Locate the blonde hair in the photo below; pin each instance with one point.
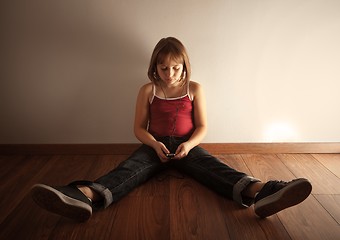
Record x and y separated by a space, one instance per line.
173 48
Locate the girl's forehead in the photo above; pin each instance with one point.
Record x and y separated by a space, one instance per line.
170 60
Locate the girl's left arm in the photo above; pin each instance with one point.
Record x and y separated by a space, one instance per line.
200 121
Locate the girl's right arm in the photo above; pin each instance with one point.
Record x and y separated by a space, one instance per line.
142 120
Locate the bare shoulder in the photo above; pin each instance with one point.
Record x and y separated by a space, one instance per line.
146 90
196 89
194 85
146 87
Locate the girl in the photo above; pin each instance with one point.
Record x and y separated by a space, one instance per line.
170 121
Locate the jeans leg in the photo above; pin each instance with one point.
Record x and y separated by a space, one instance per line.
216 175
138 168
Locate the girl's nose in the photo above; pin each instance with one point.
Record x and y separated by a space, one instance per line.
170 72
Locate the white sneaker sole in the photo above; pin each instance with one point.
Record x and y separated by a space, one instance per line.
294 193
54 201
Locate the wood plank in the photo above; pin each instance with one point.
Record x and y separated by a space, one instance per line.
243 224
234 161
28 221
18 182
131 218
239 218
267 167
97 226
128 148
171 205
287 147
9 164
151 196
305 165
142 218
330 161
195 212
27 216
103 165
331 203
308 220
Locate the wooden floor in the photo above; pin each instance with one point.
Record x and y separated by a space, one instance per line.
171 206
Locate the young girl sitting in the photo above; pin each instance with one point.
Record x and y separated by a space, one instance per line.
170 121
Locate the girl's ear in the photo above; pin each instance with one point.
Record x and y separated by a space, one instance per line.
155 75
184 74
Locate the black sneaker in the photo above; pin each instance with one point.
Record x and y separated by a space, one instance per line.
67 201
278 195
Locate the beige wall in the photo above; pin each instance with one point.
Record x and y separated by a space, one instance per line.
70 70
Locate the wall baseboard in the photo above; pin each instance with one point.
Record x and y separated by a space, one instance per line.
128 148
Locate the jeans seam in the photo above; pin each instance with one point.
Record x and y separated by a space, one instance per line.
212 173
131 177
237 186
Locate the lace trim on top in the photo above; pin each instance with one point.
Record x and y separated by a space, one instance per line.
175 98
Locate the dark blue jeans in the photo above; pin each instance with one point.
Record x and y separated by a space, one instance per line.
199 164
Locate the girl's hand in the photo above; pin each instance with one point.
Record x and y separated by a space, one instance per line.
161 151
182 150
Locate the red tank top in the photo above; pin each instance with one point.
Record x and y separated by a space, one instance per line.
171 117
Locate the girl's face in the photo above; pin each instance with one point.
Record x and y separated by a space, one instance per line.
170 71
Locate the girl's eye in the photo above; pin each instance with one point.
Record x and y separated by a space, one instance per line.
176 68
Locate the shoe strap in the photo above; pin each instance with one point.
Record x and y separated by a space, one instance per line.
81 183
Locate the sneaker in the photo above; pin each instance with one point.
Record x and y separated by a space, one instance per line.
67 201
278 195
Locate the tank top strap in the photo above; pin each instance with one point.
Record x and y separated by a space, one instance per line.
153 93
188 91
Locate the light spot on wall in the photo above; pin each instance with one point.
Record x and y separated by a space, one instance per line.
280 132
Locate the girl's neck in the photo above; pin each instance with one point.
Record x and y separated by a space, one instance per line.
171 86
172 91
